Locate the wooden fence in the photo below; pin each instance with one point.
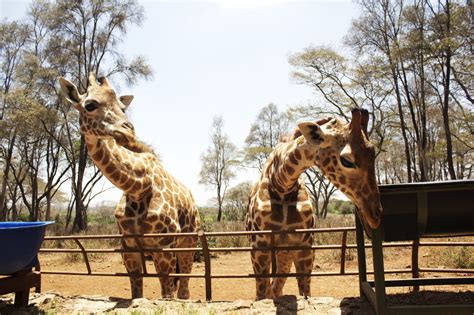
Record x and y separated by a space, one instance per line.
206 252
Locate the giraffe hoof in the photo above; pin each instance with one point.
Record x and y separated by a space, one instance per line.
183 296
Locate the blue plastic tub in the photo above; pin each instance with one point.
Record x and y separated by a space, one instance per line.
19 244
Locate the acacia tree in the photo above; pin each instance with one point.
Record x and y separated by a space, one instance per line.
320 189
236 201
218 163
403 54
89 34
13 38
264 135
67 39
341 85
421 42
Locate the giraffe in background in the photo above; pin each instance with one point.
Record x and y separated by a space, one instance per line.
280 201
153 201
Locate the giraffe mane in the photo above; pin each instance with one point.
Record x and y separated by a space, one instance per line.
138 146
289 136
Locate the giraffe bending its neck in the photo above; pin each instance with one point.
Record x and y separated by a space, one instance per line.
280 201
153 200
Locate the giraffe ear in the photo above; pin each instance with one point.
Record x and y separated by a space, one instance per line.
126 100
70 91
312 132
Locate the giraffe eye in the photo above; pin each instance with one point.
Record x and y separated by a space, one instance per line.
91 106
346 163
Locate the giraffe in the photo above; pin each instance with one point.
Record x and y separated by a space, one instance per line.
280 200
153 201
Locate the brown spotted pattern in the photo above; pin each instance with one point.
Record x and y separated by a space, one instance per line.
153 200
280 201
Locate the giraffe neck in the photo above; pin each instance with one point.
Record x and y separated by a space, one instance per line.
126 169
290 159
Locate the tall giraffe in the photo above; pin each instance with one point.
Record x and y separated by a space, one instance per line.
153 201
280 201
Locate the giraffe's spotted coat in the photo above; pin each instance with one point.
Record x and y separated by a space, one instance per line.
153 200
279 201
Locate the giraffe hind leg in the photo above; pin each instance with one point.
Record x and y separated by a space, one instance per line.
133 264
303 260
165 262
261 262
185 264
283 265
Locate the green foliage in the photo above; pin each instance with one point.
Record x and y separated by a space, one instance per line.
40 132
265 132
339 206
400 56
236 202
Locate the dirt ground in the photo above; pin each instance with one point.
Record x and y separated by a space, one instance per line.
111 295
222 289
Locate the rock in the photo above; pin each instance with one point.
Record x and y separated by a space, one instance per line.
288 304
39 299
90 305
140 302
238 305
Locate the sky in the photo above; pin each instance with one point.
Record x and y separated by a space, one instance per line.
216 57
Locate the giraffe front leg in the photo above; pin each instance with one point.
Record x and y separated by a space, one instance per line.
133 264
185 265
165 262
303 260
283 260
261 261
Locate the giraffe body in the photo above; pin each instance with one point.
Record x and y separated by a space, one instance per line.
280 201
153 200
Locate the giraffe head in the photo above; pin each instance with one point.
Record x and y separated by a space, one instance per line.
102 112
346 157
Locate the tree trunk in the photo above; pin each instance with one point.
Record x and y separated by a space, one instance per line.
80 222
219 204
445 105
6 174
402 119
324 208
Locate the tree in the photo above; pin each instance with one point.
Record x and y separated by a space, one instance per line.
88 33
62 39
13 37
264 135
236 201
320 189
218 163
407 67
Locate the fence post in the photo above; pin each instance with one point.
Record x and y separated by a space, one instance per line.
343 252
361 259
207 264
84 255
415 271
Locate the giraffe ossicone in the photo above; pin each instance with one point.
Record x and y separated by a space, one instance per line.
280 200
153 200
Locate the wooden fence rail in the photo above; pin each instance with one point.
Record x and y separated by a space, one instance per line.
206 252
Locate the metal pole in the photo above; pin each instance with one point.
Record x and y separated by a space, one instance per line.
207 264
415 269
379 274
361 261
343 252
